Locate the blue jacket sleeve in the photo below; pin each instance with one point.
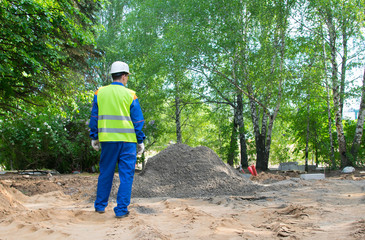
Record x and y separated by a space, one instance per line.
93 124
138 120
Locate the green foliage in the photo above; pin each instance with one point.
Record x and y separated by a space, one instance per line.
318 132
349 128
53 137
284 144
181 52
39 42
44 47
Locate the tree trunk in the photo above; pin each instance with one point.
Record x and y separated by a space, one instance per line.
315 143
336 94
343 66
177 113
360 124
332 148
307 140
339 128
260 146
262 162
272 117
240 123
281 51
269 131
263 137
233 144
243 148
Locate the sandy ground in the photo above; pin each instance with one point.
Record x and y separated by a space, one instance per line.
61 207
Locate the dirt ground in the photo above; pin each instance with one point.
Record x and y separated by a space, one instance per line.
60 207
277 205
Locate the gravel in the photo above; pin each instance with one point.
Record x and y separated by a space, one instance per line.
181 171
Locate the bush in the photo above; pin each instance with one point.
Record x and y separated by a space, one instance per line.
49 139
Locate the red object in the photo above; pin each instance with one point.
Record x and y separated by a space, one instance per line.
252 170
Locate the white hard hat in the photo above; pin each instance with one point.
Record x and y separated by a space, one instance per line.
118 67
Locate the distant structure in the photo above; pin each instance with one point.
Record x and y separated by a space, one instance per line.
350 113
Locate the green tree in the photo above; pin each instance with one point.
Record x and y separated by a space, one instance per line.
342 20
40 41
52 137
251 60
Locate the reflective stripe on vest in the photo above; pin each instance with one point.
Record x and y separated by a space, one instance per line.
112 117
114 121
115 130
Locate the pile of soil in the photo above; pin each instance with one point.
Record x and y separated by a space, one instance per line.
181 171
9 199
35 186
267 178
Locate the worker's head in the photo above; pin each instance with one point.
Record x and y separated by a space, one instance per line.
120 71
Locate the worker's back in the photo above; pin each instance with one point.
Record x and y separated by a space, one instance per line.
114 121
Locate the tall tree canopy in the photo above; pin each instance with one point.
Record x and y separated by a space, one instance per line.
40 41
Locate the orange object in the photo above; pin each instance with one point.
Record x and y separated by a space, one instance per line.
252 170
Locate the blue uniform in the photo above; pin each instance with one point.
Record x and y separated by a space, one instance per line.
117 152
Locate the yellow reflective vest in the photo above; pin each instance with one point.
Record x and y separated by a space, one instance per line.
114 120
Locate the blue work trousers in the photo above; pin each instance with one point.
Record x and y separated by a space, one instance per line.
125 154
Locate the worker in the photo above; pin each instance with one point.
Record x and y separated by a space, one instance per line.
116 127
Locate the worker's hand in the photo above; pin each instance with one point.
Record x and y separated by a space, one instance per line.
140 148
95 144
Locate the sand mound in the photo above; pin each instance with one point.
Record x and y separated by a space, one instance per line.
267 178
36 185
8 199
181 171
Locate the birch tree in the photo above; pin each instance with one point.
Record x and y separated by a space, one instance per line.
342 23
360 124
